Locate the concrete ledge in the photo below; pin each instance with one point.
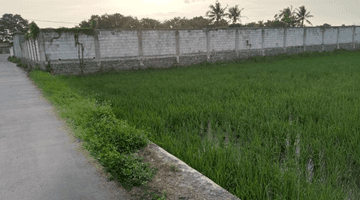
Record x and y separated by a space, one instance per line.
195 183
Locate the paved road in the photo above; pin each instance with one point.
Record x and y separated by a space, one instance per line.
38 157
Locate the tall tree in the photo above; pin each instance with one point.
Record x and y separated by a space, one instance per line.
222 23
260 24
199 22
114 21
285 21
234 14
251 24
147 23
286 15
93 18
177 23
131 22
109 21
9 24
302 15
216 12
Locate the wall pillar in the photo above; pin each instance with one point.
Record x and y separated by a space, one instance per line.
262 41
353 38
29 49
139 33
37 50
97 48
322 43
237 43
18 39
208 44
285 33
337 38
32 50
304 39
141 53
177 45
26 53
41 42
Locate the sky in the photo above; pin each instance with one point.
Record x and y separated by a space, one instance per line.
72 12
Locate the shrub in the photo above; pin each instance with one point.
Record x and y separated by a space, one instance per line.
48 68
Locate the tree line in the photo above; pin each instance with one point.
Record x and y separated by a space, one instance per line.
216 16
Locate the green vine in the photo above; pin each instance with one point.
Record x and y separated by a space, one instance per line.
85 30
34 31
76 31
81 59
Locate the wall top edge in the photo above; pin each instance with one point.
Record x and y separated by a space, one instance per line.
229 28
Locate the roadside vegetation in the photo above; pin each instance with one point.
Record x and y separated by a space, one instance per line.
17 61
253 127
110 141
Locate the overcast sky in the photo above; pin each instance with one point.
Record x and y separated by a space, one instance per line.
333 12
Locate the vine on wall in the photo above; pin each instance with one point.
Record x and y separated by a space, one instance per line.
35 30
76 32
81 59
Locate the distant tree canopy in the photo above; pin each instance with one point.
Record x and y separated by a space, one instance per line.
216 15
10 24
118 21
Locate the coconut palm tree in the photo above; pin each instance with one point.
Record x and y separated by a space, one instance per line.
301 14
216 12
287 13
234 14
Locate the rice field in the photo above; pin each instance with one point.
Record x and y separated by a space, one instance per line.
284 127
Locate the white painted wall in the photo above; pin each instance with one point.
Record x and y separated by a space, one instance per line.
222 40
117 44
314 36
64 47
274 38
157 42
253 37
192 41
294 37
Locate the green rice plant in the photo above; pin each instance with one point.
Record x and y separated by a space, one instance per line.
283 127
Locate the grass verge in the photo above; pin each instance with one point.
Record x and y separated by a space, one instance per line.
17 61
110 141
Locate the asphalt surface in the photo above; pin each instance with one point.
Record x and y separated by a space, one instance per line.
39 159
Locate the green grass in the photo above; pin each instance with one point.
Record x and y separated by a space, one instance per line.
17 61
13 59
260 104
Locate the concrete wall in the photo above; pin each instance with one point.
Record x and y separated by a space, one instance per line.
27 50
4 50
117 44
132 49
18 39
11 51
64 48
